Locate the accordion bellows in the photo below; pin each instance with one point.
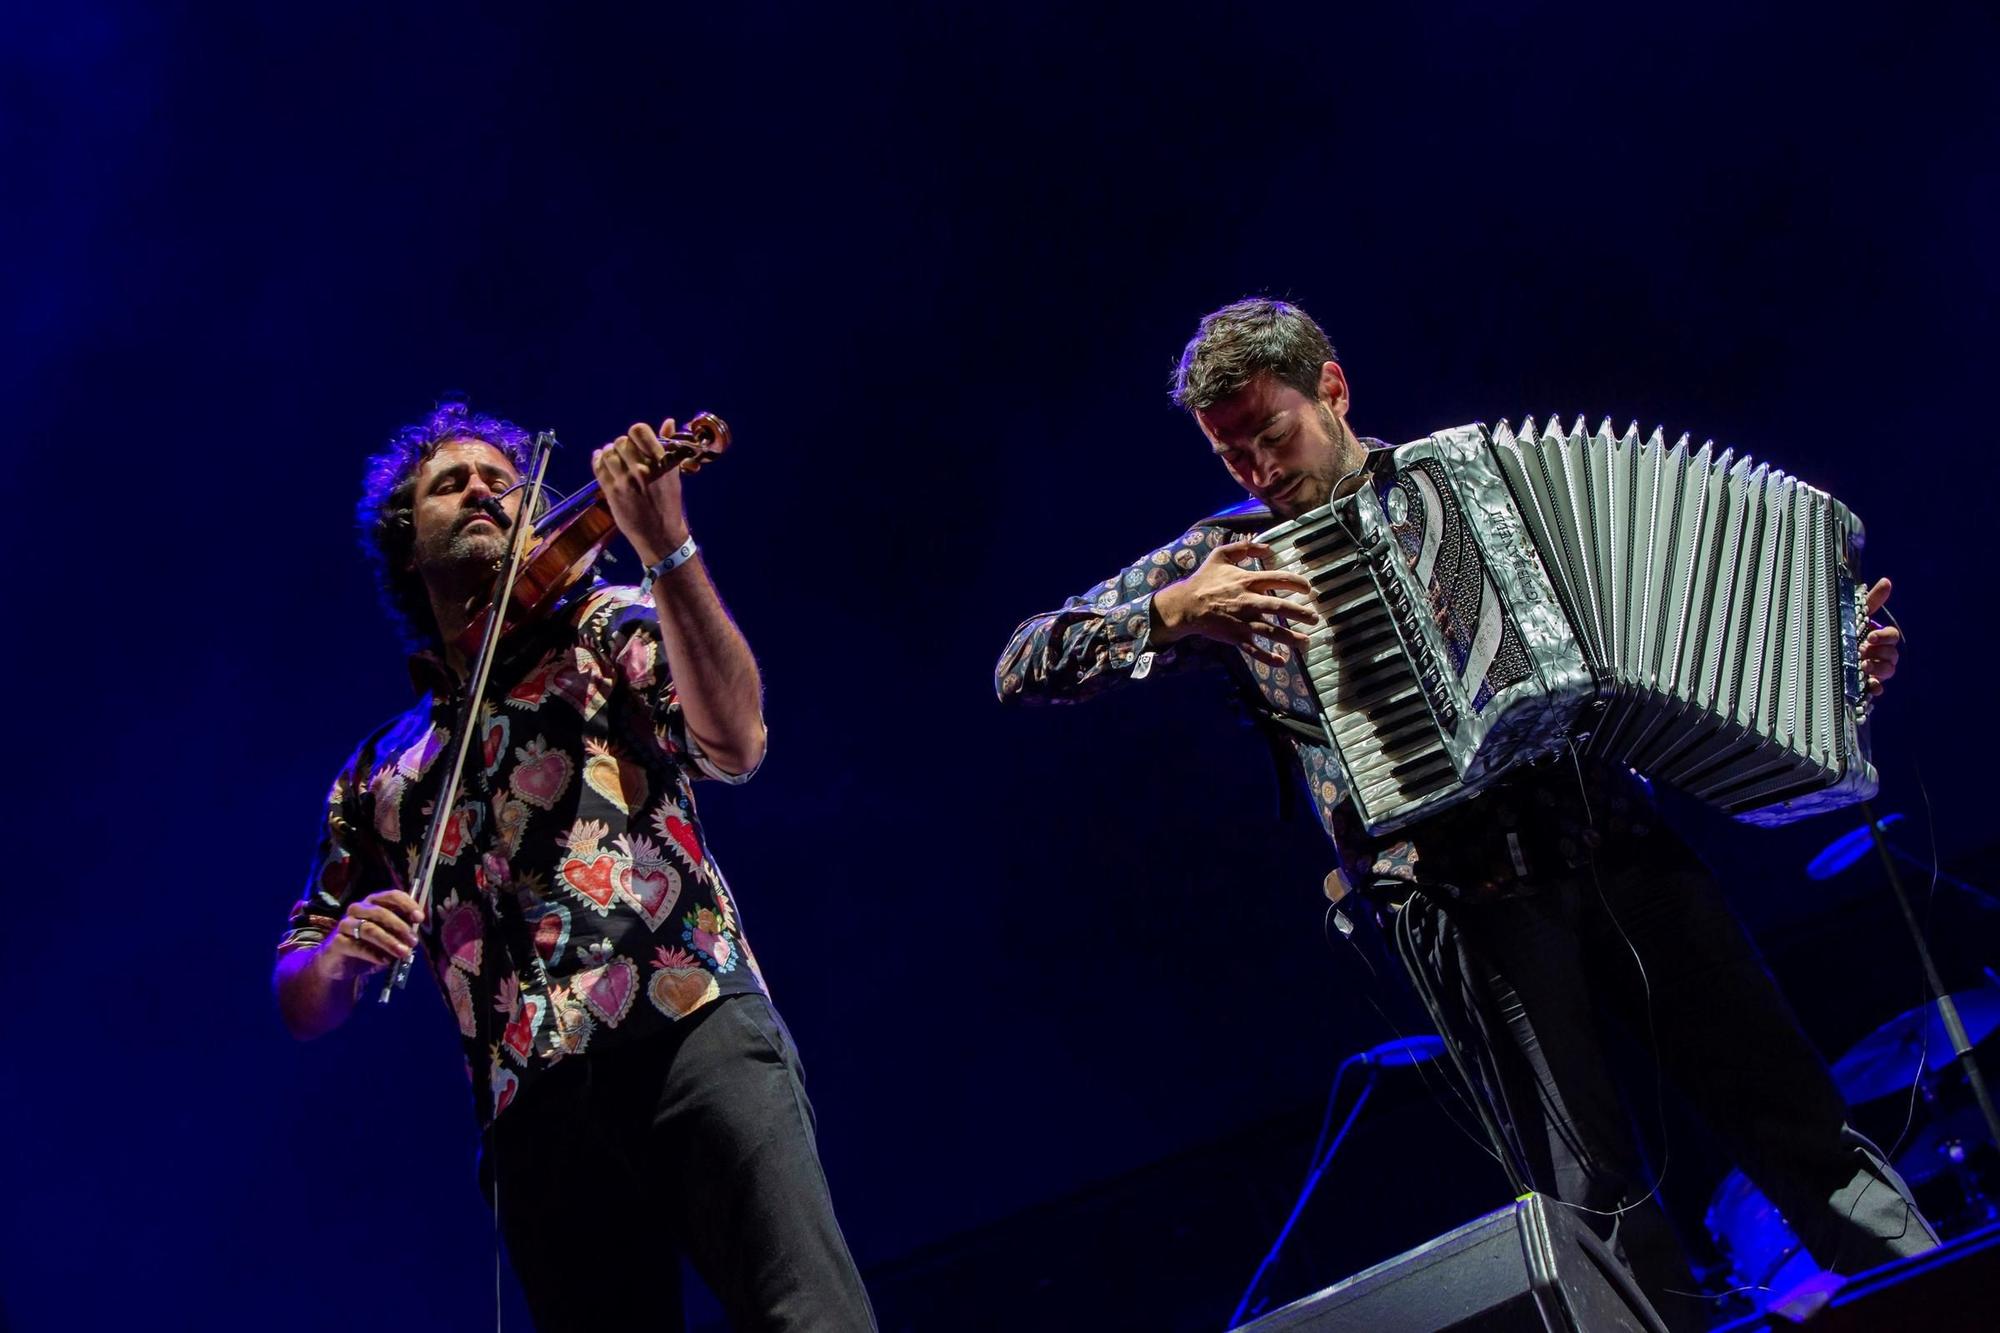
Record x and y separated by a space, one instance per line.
1502 597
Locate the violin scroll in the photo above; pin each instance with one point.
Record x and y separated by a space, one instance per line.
698 443
571 535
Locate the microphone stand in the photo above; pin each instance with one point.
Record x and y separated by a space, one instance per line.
1389 1055
445 809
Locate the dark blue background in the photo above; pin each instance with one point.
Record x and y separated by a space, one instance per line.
933 264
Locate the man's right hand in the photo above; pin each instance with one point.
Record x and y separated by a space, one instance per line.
377 931
1232 605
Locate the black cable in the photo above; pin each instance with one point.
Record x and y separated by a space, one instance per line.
1472 1136
1646 987
1411 949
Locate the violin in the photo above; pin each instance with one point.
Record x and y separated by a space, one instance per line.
571 536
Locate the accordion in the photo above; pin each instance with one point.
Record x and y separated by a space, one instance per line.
1496 598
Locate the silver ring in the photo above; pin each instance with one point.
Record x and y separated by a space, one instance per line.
356 932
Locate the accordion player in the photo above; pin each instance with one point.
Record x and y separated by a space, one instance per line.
1497 597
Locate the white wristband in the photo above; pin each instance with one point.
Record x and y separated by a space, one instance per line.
681 555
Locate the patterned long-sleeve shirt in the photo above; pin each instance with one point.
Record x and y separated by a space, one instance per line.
575 903
1100 640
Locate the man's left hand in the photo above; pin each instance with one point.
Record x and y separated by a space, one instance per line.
1882 646
644 494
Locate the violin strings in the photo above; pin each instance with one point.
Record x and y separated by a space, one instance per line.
547 491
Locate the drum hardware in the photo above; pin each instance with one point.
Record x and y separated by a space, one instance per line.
1947 1163
1889 1059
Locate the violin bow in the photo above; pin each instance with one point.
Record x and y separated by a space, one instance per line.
445 810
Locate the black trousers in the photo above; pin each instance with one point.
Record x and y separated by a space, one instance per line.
1523 984
698 1142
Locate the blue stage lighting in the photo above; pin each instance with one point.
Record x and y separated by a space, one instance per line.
1845 850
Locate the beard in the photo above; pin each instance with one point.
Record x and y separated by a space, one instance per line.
1342 455
460 566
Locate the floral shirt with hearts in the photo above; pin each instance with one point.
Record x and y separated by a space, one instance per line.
575 903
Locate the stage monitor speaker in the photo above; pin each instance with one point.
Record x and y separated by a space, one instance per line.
1530 1267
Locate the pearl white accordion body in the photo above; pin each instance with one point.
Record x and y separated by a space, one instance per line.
1499 597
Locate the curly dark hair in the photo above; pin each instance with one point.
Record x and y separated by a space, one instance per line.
1245 339
388 498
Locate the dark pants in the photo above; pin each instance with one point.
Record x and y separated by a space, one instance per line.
1524 983
698 1142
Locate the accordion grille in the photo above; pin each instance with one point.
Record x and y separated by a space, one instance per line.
1715 599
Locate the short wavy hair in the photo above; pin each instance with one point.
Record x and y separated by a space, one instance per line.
1257 335
388 499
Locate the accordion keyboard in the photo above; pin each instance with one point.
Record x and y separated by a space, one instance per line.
1380 701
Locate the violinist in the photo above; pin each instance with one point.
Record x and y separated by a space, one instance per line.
638 1095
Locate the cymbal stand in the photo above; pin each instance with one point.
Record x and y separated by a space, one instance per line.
1961 1045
